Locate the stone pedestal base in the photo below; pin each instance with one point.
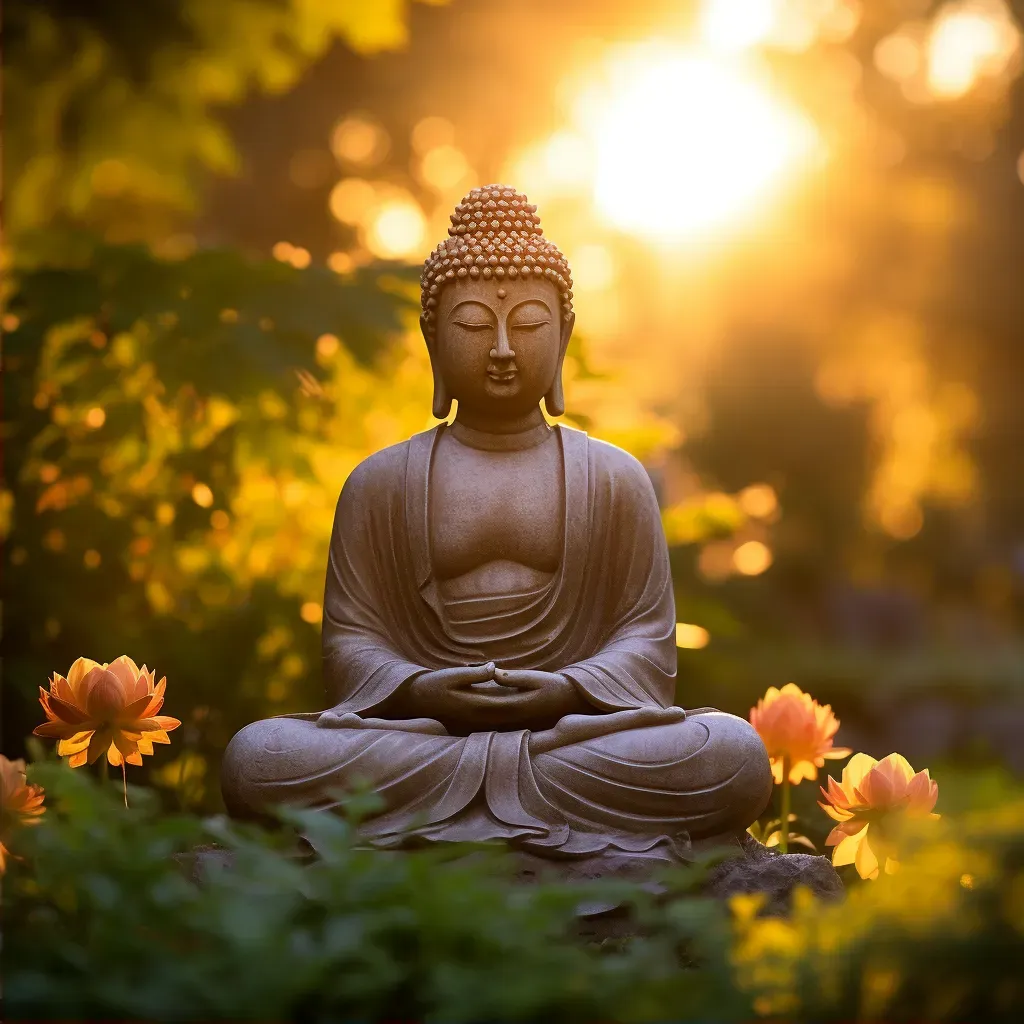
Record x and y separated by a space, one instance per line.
753 869
760 869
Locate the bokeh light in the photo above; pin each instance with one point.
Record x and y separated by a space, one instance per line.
758 501
341 262
898 56
202 495
752 558
684 144
969 41
359 141
431 132
327 346
691 637
715 562
443 167
732 25
311 612
350 199
901 521
397 230
285 252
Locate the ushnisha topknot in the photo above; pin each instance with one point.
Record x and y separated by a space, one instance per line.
495 232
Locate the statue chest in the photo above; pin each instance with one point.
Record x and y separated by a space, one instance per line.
491 512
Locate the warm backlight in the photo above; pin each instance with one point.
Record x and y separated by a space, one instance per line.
685 144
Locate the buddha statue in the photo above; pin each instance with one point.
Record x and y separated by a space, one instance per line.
499 625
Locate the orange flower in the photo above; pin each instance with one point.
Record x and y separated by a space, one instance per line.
872 798
795 726
21 803
105 708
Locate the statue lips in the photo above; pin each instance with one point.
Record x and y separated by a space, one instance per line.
502 376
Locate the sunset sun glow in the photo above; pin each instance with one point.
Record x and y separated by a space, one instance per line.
684 144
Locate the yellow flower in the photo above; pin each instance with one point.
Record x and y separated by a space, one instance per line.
105 708
872 798
21 803
795 727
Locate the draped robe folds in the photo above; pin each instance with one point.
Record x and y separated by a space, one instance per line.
634 775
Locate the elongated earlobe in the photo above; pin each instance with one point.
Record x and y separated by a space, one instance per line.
442 400
442 404
554 400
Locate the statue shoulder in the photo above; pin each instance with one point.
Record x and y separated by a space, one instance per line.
617 472
610 460
382 474
379 468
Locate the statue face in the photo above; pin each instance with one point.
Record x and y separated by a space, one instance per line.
499 344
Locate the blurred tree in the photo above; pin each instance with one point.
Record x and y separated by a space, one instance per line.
112 109
177 426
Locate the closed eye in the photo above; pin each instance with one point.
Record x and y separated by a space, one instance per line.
471 327
530 326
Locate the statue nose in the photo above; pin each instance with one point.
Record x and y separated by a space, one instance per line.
502 349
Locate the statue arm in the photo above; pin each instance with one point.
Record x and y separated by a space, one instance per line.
635 664
362 665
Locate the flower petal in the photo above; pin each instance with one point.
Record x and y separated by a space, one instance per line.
877 789
125 660
141 708
866 862
855 769
897 769
81 668
98 745
835 813
802 770
847 849
163 722
126 670
55 707
73 744
104 694
60 687
57 730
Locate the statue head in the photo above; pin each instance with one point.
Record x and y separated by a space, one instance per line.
497 309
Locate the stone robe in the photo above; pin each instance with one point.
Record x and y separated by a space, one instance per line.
636 774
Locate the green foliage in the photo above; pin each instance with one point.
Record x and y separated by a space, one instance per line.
942 939
103 922
108 915
113 109
177 436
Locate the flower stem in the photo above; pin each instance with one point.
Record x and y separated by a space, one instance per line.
784 814
124 779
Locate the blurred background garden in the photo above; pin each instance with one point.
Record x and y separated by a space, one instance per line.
796 229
